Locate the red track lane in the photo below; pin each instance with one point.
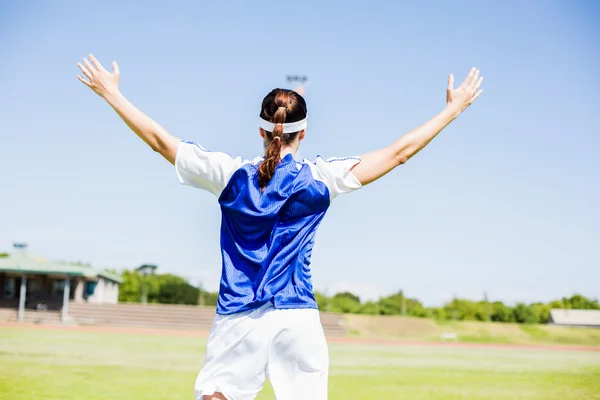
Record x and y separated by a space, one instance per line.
144 331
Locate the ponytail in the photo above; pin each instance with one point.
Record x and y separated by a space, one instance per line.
267 167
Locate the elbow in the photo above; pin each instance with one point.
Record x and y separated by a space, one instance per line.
156 145
401 158
402 153
156 148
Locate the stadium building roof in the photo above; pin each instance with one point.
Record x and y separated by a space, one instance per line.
26 264
584 318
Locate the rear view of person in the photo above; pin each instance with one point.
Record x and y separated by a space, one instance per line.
267 323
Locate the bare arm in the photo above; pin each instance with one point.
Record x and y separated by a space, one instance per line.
376 164
106 85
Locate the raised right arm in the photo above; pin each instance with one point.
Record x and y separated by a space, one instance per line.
106 85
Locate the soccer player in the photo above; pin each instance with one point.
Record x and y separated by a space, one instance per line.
267 323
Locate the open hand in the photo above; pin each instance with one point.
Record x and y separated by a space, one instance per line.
100 80
463 96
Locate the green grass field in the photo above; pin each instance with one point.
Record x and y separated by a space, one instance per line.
423 329
54 364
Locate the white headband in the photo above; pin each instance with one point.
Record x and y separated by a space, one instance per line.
287 127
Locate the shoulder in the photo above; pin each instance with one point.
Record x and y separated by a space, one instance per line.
187 148
205 169
321 159
335 172
332 163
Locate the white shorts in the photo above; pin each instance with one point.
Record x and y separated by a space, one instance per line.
286 346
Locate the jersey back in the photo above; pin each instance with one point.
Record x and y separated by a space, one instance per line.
267 235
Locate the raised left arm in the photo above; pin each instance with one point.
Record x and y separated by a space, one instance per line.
376 164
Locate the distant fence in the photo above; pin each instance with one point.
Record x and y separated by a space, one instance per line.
153 316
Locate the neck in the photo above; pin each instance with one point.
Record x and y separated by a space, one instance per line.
287 150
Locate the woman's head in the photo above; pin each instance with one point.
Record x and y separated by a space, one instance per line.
280 106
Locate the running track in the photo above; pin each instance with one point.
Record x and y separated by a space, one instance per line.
109 329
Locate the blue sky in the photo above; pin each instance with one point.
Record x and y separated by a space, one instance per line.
505 201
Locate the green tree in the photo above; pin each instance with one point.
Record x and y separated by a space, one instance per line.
557 304
210 298
392 305
348 295
130 289
322 301
467 309
173 289
440 313
579 302
414 308
524 314
370 307
345 302
161 288
501 312
541 312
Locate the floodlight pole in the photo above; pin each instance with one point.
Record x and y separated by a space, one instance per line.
144 299
145 270
487 306
300 80
22 247
201 299
455 310
66 296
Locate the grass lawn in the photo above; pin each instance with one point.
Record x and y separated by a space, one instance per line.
51 364
398 327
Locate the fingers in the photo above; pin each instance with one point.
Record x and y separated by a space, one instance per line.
477 84
473 82
115 68
475 96
95 62
84 81
89 66
469 78
450 82
85 71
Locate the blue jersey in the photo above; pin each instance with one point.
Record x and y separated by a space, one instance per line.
267 236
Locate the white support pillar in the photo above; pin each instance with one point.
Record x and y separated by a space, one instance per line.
79 283
107 287
22 295
66 294
99 292
111 290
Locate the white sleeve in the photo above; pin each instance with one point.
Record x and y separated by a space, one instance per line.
336 174
203 169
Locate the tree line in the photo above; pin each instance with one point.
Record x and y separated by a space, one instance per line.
456 309
163 289
173 289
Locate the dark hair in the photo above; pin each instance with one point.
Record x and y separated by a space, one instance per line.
279 106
